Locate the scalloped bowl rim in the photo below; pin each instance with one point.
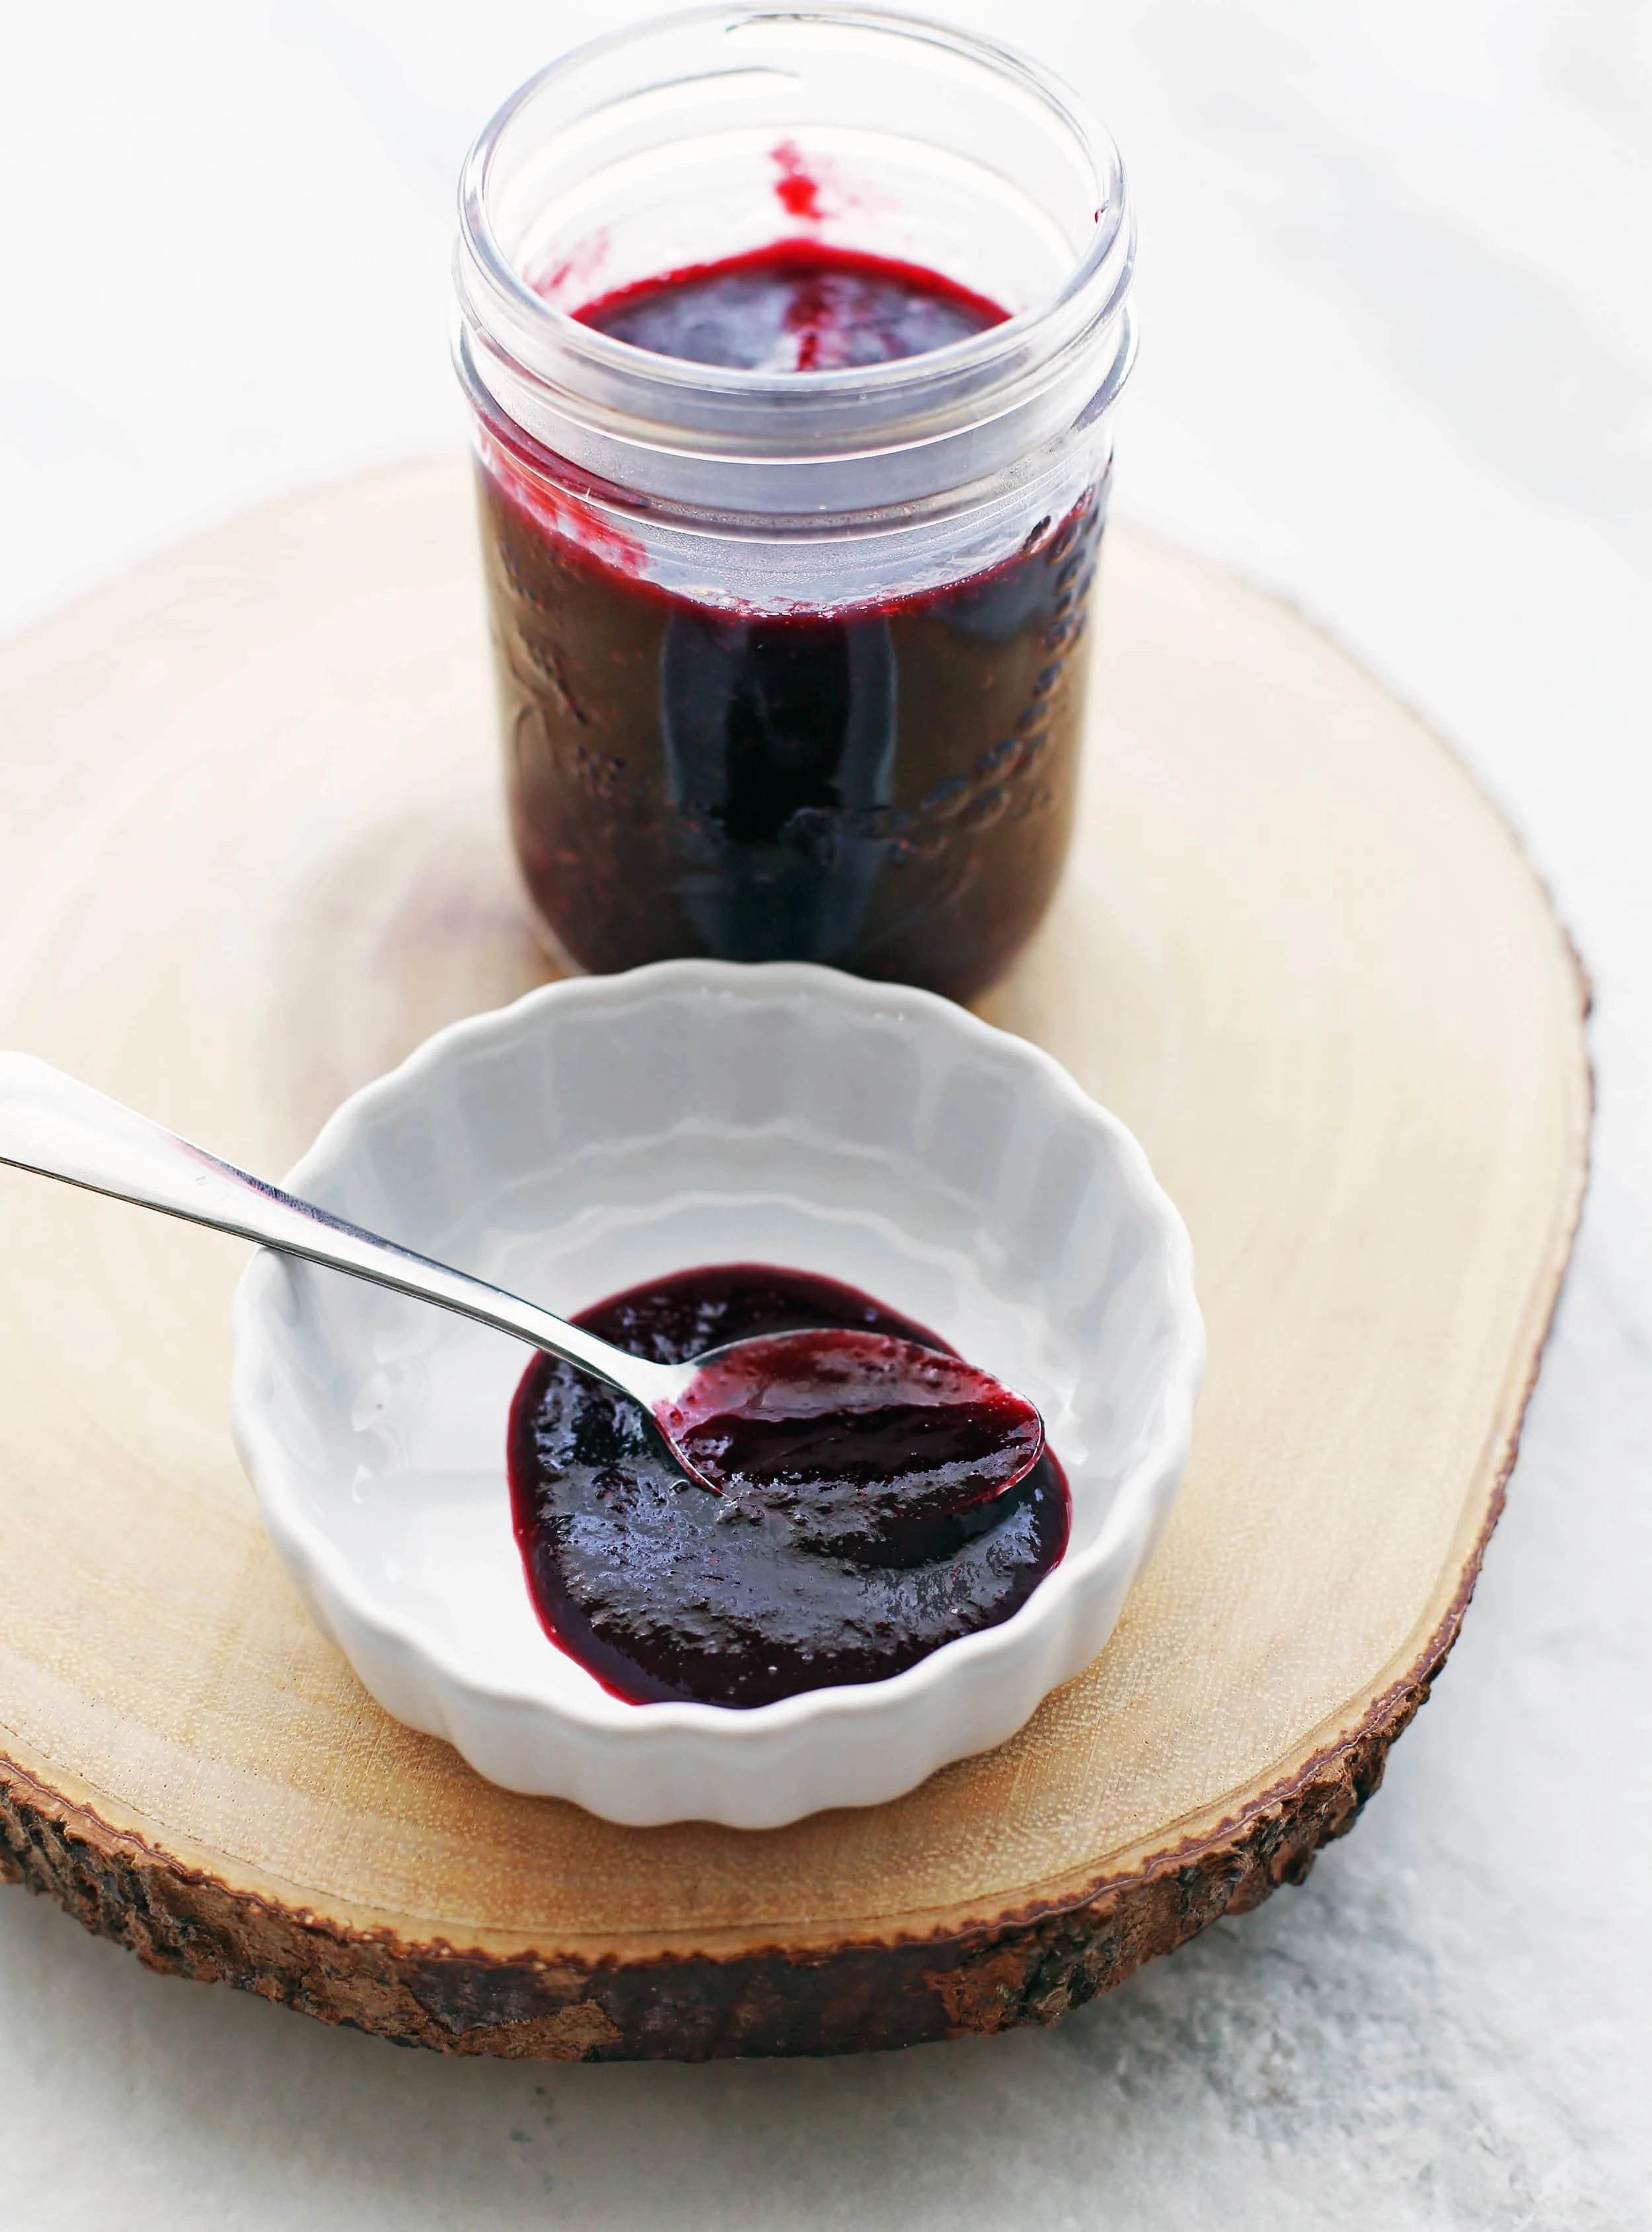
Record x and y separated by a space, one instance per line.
1150 1479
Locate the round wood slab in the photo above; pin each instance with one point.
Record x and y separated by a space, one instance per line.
251 852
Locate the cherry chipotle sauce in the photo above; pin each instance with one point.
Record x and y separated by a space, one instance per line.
886 790
794 307
664 1589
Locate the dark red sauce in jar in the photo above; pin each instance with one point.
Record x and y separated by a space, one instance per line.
794 306
885 789
844 1561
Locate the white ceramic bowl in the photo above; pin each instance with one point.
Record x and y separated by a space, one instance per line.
604 1130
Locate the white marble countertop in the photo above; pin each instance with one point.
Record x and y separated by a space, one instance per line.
1396 299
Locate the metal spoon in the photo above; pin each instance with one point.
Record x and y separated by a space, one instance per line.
53 1123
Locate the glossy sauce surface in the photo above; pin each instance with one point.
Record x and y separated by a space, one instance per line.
843 1557
794 307
865 1442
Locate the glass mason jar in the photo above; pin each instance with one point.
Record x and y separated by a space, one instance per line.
791 663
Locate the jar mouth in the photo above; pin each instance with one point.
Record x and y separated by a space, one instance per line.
653 149
489 276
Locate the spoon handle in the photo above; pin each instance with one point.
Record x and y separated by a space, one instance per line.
53 1123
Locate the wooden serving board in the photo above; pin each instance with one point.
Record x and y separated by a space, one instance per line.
251 852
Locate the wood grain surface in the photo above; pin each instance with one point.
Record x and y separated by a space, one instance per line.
251 852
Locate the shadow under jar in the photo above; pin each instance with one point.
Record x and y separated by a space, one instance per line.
791 344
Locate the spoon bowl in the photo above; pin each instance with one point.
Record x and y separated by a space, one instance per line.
877 1435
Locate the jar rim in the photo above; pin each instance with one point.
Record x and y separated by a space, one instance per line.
917 438
523 317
